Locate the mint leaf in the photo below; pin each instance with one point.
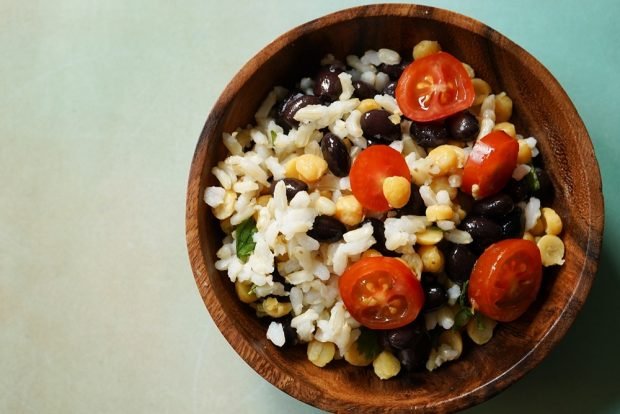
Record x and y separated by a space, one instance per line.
274 135
462 318
368 344
245 242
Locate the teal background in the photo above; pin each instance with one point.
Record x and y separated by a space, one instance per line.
101 105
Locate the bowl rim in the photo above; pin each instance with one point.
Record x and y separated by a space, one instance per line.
594 184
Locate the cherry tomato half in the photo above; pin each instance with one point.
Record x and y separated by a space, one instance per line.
506 279
434 87
370 168
490 164
381 292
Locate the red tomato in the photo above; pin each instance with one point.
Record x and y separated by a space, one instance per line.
381 292
434 87
490 164
370 168
506 279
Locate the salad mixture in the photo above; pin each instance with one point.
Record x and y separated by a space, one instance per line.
385 211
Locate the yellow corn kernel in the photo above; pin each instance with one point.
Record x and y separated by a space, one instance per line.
503 107
480 329
551 250
386 365
429 237
425 48
507 127
368 105
528 236
539 227
245 292
445 159
349 211
276 309
396 191
310 167
443 183
482 90
371 253
227 208
321 353
525 152
432 259
354 357
553 222
439 212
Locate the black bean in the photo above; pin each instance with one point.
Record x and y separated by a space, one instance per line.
429 134
364 90
415 206
494 206
414 357
513 224
378 232
377 141
401 338
463 126
545 187
483 230
390 88
293 104
460 261
393 71
436 296
292 185
327 85
327 229
518 190
466 201
377 124
336 155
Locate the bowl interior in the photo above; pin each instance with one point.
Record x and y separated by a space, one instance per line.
541 109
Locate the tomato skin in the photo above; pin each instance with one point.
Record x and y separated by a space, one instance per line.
506 279
434 87
370 286
370 168
490 164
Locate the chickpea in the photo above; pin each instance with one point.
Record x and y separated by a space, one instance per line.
503 107
539 227
480 329
368 105
432 258
386 365
321 353
276 309
245 292
439 212
507 127
425 48
429 237
482 89
396 191
443 183
469 70
310 167
349 211
525 152
325 206
553 222
371 253
354 357
445 159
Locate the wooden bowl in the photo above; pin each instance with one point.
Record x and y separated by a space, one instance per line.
542 109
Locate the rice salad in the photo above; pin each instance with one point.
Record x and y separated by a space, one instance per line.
295 224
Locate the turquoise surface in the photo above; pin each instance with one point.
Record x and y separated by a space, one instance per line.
101 105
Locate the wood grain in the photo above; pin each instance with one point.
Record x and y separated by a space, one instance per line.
542 109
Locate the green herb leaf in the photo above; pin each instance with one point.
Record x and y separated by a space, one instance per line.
462 318
274 135
368 343
245 242
480 323
532 180
463 296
